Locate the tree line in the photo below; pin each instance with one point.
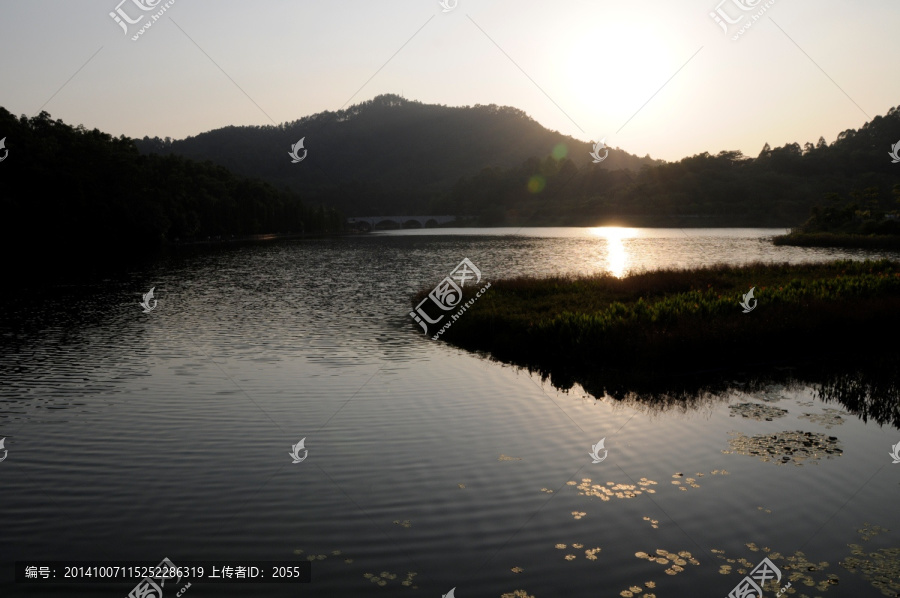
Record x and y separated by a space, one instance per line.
779 187
71 191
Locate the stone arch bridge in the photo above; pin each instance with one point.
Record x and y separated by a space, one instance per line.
373 222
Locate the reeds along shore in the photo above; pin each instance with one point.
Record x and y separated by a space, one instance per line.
681 321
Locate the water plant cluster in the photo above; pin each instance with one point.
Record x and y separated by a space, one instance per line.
677 322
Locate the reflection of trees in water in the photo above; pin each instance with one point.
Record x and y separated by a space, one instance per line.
650 393
869 394
869 391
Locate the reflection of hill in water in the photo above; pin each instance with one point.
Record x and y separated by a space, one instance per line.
871 391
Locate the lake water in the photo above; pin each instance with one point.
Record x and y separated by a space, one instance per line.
140 436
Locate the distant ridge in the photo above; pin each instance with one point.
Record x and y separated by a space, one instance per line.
387 152
391 155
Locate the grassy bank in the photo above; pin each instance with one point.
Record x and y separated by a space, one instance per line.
849 240
667 324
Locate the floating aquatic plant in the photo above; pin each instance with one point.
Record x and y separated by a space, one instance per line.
869 531
828 418
654 523
321 557
590 554
797 569
676 561
881 568
786 447
635 590
383 578
689 481
613 490
757 411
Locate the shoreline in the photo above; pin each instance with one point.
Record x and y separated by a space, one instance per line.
844 240
220 240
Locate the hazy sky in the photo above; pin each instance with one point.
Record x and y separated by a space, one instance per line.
655 77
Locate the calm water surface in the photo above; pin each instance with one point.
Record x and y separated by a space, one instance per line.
142 436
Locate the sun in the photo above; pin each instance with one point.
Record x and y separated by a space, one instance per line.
610 69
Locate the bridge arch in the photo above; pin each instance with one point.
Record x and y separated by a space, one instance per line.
368 223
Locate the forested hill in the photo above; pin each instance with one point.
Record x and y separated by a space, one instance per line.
74 194
391 156
778 187
389 153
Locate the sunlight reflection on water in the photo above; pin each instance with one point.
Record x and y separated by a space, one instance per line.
616 255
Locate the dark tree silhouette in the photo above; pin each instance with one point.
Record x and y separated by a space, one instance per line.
73 195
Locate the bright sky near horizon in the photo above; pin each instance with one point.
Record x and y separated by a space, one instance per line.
654 77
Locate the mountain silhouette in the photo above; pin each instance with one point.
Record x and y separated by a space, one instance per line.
495 164
388 153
